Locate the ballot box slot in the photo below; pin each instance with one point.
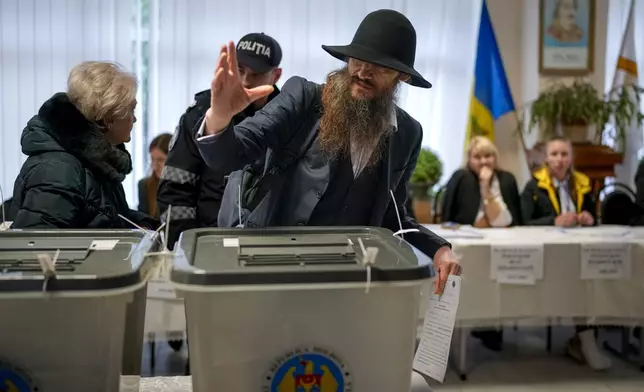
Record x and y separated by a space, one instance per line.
9 269
20 260
294 252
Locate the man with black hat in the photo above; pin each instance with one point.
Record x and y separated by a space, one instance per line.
192 189
364 148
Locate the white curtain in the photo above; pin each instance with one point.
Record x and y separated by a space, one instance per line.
186 36
40 41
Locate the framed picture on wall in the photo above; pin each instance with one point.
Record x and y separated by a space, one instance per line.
566 37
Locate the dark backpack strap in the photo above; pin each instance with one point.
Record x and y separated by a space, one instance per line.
302 140
278 162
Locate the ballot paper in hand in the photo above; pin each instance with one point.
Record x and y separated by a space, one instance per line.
433 352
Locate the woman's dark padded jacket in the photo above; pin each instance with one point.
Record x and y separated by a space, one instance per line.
73 174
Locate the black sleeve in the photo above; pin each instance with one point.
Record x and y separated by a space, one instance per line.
53 197
589 205
639 184
143 197
271 127
425 240
143 219
513 200
181 179
449 197
530 211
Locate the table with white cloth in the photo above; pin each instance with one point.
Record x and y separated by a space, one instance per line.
561 294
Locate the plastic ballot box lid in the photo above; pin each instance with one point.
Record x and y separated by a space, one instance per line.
84 260
297 255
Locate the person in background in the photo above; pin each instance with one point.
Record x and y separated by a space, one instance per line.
483 195
557 194
187 184
149 185
561 196
76 158
193 189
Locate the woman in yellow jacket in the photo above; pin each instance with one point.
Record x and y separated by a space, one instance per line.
561 196
558 195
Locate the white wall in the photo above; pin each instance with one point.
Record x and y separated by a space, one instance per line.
516 24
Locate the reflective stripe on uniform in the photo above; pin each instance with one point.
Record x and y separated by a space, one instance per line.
180 176
179 213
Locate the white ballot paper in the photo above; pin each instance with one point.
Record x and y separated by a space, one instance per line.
433 352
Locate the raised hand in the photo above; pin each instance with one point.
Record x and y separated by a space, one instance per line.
228 95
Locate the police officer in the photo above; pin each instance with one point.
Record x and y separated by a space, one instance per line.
187 184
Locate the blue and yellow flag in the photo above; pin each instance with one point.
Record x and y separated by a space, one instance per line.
491 98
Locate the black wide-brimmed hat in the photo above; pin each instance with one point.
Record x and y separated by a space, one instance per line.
386 38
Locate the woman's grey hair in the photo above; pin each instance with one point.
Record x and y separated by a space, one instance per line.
102 91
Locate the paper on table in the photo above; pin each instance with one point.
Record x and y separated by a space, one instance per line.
516 264
433 351
5 225
606 261
597 231
460 232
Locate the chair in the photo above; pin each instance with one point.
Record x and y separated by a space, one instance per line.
438 204
618 206
410 206
5 208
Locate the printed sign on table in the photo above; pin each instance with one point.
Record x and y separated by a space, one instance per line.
605 261
516 264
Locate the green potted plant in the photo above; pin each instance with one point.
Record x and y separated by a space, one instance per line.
427 173
580 113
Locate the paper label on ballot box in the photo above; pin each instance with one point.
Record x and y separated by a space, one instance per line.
161 289
433 351
103 244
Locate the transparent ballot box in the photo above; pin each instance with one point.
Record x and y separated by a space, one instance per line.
287 309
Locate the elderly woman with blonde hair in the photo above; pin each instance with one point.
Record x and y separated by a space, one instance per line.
76 154
481 194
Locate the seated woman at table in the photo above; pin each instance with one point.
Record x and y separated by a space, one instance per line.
558 195
481 194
